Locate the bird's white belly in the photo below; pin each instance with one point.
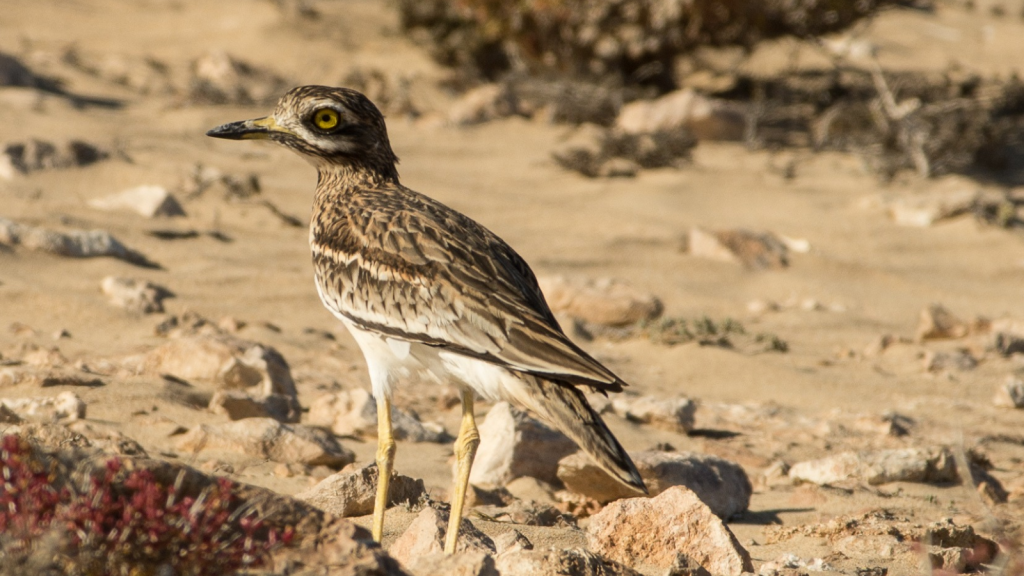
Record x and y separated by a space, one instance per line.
392 361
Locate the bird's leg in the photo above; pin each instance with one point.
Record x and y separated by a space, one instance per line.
385 463
465 451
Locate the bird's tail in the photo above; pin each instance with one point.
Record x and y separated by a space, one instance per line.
564 407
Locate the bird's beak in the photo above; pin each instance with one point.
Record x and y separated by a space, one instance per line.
258 129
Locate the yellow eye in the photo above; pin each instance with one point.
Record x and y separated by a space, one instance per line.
325 118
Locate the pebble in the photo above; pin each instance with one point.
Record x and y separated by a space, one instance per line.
72 244
237 405
707 118
675 414
18 158
467 563
755 250
483 104
1010 394
148 201
881 467
134 295
938 323
924 209
649 534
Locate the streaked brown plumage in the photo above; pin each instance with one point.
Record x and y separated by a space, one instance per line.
426 290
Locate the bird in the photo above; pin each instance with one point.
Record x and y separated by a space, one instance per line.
428 293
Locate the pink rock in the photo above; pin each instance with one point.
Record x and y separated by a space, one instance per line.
650 533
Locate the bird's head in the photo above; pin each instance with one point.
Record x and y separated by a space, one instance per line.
333 128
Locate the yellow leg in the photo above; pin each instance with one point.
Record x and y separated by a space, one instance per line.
465 451
385 464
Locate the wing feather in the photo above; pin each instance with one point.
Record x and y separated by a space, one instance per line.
457 285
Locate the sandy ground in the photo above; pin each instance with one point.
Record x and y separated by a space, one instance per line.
875 275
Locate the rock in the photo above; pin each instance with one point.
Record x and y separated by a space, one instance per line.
707 118
884 466
722 485
32 155
426 536
351 492
937 323
66 406
939 361
483 104
1010 394
148 201
237 405
268 438
756 250
135 295
675 414
514 444
924 209
559 562
354 413
468 563
961 360
1007 343
8 416
218 78
606 302
511 542
645 533
73 244
227 362
791 562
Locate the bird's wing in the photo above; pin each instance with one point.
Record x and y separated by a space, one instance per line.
404 265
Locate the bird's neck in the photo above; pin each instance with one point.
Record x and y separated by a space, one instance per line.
339 179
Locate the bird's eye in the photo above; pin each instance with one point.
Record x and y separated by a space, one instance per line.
325 118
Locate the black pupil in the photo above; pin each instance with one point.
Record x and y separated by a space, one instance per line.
325 117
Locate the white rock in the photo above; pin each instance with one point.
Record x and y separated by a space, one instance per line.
881 467
757 250
238 405
676 414
1010 394
513 444
924 209
482 104
135 295
148 201
707 118
66 406
936 323
650 533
